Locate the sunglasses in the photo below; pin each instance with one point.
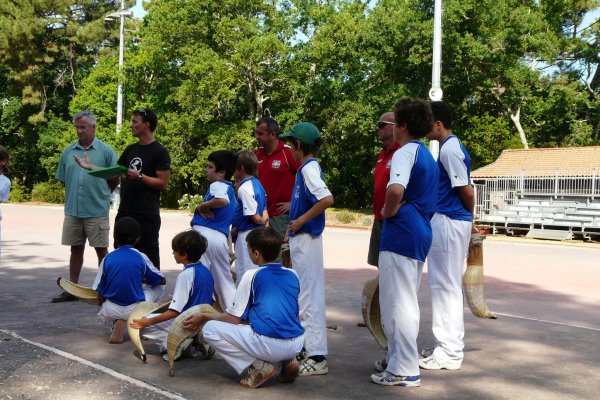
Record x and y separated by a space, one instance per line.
383 124
142 112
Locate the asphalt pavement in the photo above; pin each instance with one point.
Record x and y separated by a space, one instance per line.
544 344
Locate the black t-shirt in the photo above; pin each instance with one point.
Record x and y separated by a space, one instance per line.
135 196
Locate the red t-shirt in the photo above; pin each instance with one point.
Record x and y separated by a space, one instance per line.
382 177
277 173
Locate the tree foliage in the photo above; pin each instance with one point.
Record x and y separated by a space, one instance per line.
211 68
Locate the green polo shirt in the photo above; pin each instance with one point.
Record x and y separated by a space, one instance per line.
85 195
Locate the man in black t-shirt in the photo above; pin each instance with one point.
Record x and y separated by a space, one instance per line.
149 172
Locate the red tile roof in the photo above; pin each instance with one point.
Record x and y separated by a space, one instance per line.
569 161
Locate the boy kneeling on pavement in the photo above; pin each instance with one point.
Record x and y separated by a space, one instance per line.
262 327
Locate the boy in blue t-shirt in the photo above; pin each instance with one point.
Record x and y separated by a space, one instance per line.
451 226
194 285
213 218
410 202
267 301
251 211
310 199
120 278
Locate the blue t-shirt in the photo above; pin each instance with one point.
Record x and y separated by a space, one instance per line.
267 297
408 233
252 200
194 285
121 275
308 189
222 217
455 171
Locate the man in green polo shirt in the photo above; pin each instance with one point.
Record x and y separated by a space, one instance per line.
87 198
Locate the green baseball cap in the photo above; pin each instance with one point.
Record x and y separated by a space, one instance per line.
304 132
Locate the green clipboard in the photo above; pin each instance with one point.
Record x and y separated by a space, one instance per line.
107 173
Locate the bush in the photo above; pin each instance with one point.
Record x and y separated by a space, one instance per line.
187 202
18 192
346 217
48 192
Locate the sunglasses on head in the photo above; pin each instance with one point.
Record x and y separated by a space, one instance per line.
142 112
383 124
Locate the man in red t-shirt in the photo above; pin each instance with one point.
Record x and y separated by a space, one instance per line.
381 172
276 172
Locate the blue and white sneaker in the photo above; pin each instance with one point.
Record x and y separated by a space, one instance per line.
387 379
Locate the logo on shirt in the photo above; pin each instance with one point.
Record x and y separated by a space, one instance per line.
276 164
136 164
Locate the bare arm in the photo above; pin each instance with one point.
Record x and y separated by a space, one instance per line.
315 210
260 219
204 207
194 321
467 197
159 182
85 163
145 322
393 200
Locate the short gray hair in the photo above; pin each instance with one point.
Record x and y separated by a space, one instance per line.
85 113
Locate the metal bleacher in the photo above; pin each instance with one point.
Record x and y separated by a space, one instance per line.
554 219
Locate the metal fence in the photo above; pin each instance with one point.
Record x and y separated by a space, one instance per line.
494 194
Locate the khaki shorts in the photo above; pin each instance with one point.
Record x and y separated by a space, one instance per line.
77 230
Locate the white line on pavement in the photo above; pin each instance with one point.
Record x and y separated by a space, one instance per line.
99 367
548 322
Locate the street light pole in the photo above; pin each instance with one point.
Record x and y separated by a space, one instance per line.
120 77
436 93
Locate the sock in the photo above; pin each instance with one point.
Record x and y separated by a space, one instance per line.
317 359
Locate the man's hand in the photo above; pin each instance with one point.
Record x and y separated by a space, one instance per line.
283 208
194 321
133 173
140 323
84 162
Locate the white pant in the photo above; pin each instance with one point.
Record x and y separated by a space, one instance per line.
240 346
243 262
109 312
399 279
158 333
154 294
216 258
445 264
307 259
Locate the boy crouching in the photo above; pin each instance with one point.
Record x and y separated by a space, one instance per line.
120 278
262 327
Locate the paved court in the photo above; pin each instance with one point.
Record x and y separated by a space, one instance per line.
544 345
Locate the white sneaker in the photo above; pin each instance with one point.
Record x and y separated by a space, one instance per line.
435 362
309 367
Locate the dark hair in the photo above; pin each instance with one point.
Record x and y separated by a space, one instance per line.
248 160
442 112
308 148
272 125
190 243
147 116
4 153
267 241
127 232
224 160
415 114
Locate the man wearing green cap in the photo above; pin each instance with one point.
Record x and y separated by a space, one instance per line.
310 199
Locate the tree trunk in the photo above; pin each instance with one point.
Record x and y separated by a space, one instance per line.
516 118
